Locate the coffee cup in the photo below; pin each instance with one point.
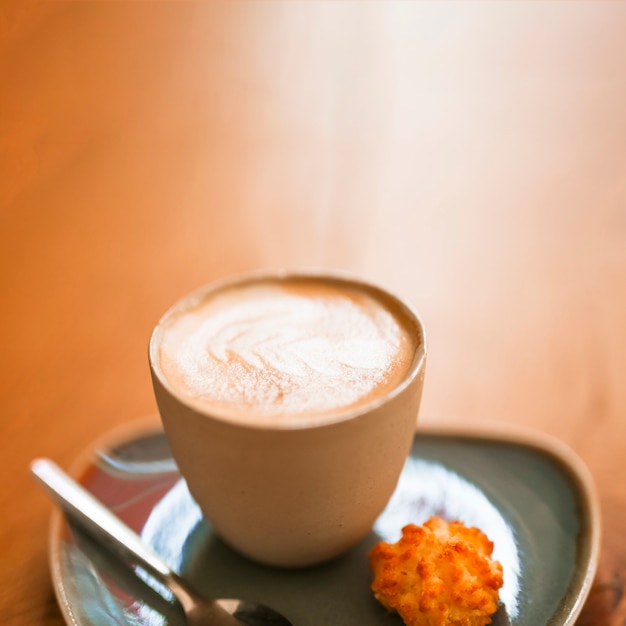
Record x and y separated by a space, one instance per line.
289 401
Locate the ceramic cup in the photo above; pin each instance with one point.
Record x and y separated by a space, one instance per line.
299 489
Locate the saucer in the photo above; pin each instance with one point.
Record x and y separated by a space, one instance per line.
529 493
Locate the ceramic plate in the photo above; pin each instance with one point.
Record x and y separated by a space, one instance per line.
531 495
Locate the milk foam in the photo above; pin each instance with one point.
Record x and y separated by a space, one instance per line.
285 350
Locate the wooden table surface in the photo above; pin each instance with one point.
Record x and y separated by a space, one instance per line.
471 156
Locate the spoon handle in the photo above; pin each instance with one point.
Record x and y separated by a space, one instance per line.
100 522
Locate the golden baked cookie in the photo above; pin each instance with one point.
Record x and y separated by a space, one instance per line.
438 574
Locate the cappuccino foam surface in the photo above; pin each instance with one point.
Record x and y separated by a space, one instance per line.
277 352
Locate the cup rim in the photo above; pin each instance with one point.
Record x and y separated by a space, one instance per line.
192 298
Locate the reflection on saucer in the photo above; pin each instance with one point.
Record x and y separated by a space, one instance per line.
427 488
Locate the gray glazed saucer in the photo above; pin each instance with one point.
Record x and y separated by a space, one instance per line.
531 495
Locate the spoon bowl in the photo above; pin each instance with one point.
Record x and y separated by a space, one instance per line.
111 532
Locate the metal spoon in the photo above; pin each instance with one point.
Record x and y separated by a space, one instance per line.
104 526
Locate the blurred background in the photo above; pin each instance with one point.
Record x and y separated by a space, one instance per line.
469 155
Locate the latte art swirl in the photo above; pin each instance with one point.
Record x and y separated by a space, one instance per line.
285 350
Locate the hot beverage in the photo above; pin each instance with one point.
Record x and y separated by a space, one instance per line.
286 351
289 402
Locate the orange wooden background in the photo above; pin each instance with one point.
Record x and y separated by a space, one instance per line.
471 156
